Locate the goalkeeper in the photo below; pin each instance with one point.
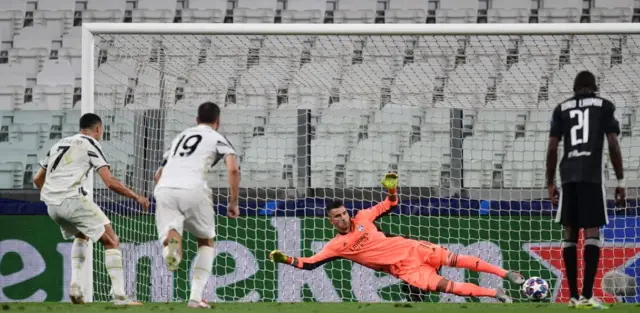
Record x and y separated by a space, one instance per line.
415 262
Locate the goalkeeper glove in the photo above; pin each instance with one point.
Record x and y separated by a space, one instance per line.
278 257
390 181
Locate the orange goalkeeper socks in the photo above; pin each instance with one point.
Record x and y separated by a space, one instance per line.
468 289
475 264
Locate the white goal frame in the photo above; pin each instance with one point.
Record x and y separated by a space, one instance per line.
89 30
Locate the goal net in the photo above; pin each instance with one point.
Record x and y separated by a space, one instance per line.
463 119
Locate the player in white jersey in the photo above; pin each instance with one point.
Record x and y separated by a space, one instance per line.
60 180
183 199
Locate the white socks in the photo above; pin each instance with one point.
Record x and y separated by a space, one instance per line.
79 251
201 272
113 261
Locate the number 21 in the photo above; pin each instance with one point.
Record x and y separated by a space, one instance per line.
583 124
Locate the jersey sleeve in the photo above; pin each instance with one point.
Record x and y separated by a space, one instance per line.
44 162
556 124
224 147
96 157
328 253
609 120
372 213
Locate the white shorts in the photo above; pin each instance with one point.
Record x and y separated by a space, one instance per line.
79 215
184 209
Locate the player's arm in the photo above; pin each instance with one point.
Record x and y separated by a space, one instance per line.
325 255
158 173
612 129
390 182
41 175
233 176
555 134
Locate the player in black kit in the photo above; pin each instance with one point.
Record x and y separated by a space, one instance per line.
582 122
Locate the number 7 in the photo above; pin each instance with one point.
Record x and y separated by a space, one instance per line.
57 161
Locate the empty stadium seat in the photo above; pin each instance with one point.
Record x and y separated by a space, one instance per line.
71 50
100 11
406 12
55 15
370 156
12 17
474 77
523 79
254 11
282 122
561 83
543 46
415 84
326 154
390 49
54 86
304 11
154 11
622 78
289 47
343 122
612 11
355 11
31 48
436 121
509 11
364 81
204 11
439 47
595 49
265 159
481 157
560 11
422 164
399 122
460 11
524 163
12 86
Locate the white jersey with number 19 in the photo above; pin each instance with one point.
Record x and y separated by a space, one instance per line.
192 153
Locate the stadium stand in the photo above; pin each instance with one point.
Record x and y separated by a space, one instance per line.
423 79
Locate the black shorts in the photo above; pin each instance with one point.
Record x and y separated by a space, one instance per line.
582 205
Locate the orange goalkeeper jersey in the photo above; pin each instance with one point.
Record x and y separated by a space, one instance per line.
364 244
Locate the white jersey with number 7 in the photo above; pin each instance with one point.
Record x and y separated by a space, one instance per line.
191 154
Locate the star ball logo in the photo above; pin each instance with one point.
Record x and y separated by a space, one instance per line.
620 252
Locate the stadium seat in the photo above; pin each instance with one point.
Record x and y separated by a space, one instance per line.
612 11
524 163
54 86
12 86
12 17
460 11
55 15
31 48
389 49
509 11
282 122
364 81
483 155
543 46
594 49
415 84
154 11
501 122
343 122
368 159
100 11
422 164
304 11
11 174
561 83
71 49
326 154
523 80
560 11
436 121
438 47
289 47
622 78
406 12
255 11
399 122
204 11
355 12
493 46
333 47
263 165
311 85
474 77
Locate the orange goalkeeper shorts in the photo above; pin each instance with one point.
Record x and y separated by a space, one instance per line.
420 269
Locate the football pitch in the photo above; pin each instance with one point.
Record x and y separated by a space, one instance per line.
306 308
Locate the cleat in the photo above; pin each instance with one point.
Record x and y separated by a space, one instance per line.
198 304
75 294
126 301
592 303
515 277
173 258
77 299
573 302
502 296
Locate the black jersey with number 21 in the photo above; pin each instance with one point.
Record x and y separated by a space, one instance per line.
582 122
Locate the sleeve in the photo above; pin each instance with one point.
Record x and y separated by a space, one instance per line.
224 147
609 120
96 157
165 157
556 124
372 213
44 163
325 255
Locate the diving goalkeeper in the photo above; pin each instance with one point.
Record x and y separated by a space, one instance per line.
415 262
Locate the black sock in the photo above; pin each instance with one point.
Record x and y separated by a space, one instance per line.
591 258
570 257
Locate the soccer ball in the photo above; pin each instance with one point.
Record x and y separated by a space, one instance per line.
535 288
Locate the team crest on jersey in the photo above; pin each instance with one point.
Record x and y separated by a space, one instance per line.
360 228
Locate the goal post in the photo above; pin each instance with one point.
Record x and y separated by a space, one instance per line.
322 111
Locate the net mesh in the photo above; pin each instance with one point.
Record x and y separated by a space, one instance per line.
462 119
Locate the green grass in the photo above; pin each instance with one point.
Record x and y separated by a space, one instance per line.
305 308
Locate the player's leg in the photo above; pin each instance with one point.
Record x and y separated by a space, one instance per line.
567 216
200 221
439 256
79 252
169 223
593 216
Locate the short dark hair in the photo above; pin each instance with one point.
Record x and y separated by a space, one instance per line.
585 82
334 205
208 112
89 120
